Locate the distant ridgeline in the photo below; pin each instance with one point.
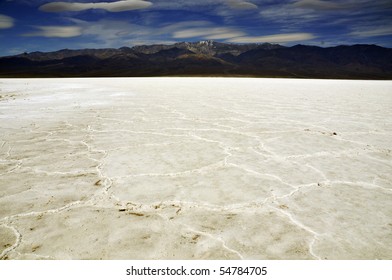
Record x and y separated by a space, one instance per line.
206 58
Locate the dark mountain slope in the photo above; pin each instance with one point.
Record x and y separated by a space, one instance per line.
207 58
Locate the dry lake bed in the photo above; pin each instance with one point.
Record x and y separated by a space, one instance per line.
195 168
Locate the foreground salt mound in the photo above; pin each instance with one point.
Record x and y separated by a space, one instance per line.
198 168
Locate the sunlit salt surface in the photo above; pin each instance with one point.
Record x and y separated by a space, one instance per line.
195 168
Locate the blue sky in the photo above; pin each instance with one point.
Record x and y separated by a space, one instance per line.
44 25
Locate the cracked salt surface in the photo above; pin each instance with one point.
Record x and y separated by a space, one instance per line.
195 168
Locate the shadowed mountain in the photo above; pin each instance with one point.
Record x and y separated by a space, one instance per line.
206 58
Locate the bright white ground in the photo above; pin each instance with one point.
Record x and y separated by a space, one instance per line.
195 168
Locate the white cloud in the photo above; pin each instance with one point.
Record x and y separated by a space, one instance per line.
208 33
6 22
317 5
187 24
289 15
56 31
372 31
117 6
276 38
301 12
114 33
224 35
150 42
241 5
191 5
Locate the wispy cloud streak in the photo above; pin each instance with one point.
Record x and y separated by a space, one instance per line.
276 38
6 22
55 31
117 6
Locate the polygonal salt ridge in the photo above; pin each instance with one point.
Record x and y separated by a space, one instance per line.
306 219
10 240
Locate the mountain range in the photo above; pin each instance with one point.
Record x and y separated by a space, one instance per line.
206 58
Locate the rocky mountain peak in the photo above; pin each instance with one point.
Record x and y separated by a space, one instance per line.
207 58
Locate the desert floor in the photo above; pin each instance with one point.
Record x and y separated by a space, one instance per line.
195 168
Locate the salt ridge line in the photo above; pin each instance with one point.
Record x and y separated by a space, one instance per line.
227 148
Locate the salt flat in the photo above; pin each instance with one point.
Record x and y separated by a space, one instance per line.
195 168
